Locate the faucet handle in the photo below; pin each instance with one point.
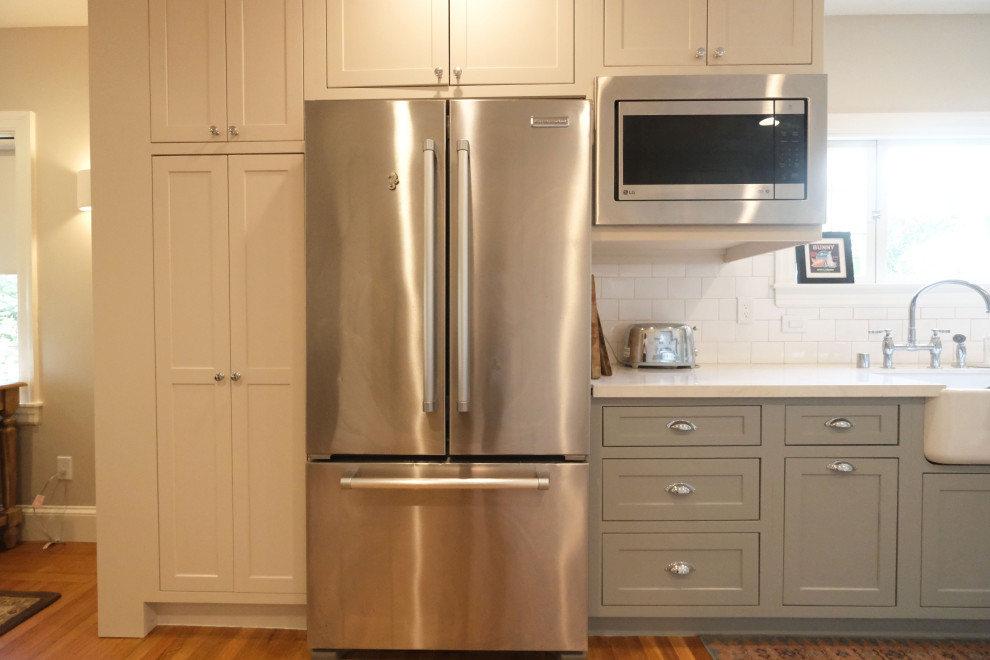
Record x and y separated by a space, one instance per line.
936 331
886 332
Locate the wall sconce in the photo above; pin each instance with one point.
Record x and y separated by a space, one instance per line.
82 191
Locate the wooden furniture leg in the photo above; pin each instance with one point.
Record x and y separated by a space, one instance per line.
11 517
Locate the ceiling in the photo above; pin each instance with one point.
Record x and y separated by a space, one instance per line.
41 13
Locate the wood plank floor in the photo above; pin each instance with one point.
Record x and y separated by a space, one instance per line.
67 628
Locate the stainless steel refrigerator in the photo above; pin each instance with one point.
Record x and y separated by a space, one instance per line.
448 339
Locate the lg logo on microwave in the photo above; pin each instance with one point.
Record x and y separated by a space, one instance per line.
626 191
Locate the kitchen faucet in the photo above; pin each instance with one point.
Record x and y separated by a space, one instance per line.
934 347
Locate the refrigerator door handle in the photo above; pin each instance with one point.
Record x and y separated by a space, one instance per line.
352 481
429 276
463 275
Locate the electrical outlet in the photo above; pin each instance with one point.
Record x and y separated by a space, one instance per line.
64 467
744 310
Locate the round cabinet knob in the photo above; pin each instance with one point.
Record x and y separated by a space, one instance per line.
232 130
438 72
457 72
235 376
840 466
719 52
214 130
680 489
679 568
700 54
218 376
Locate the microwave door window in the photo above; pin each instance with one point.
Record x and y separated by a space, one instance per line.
720 156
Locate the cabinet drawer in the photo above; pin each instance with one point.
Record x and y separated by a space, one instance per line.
679 426
842 424
676 489
638 569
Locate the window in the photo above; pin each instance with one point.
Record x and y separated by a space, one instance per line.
918 210
19 360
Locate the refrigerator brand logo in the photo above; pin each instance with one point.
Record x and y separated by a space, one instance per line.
549 122
393 181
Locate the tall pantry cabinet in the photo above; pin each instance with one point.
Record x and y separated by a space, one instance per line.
229 333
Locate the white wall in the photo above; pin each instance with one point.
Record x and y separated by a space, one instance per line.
875 64
45 70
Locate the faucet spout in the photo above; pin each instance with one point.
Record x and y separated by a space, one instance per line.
912 337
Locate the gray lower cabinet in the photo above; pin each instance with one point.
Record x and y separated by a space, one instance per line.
955 569
681 569
840 531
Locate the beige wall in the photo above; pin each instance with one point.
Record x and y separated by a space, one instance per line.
45 70
908 63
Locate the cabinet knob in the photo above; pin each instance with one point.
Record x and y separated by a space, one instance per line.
218 376
700 54
232 130
679 568
214 130
438 72
457 72
719 52
839 423
679 489
235 376
682 425
840 466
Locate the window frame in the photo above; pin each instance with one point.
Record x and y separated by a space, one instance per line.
22 125
876 126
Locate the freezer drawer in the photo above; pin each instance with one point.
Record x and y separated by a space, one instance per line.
447 556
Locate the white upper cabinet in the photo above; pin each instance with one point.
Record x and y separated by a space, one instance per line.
226 70
381 43
708 32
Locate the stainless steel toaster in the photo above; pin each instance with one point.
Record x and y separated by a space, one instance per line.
659 345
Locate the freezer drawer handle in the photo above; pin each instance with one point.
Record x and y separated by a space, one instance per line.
540 481
429 276
463 275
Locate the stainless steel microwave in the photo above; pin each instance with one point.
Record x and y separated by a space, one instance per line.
711 149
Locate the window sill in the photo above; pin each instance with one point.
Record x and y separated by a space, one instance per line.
28 414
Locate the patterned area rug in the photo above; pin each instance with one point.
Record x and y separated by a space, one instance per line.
18 606
843 648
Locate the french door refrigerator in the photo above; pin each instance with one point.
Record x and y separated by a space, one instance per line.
448 374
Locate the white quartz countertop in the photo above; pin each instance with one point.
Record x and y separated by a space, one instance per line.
743 381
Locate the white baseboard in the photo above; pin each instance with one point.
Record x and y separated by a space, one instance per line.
63 523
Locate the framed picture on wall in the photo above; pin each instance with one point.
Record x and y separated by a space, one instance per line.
828 261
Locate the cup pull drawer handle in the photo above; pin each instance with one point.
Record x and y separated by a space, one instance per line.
840 466
679 489
679 568
682 425
840 423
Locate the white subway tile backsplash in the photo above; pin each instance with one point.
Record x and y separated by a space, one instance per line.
705 294
768 352
618 287
838 313
851 330
668 270
684 287
635 310
734 352
651 287
695 311
635 270
701 270
669 310
718 287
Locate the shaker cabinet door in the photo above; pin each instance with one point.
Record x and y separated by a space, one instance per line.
840 531
759 31
659 32
371 43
